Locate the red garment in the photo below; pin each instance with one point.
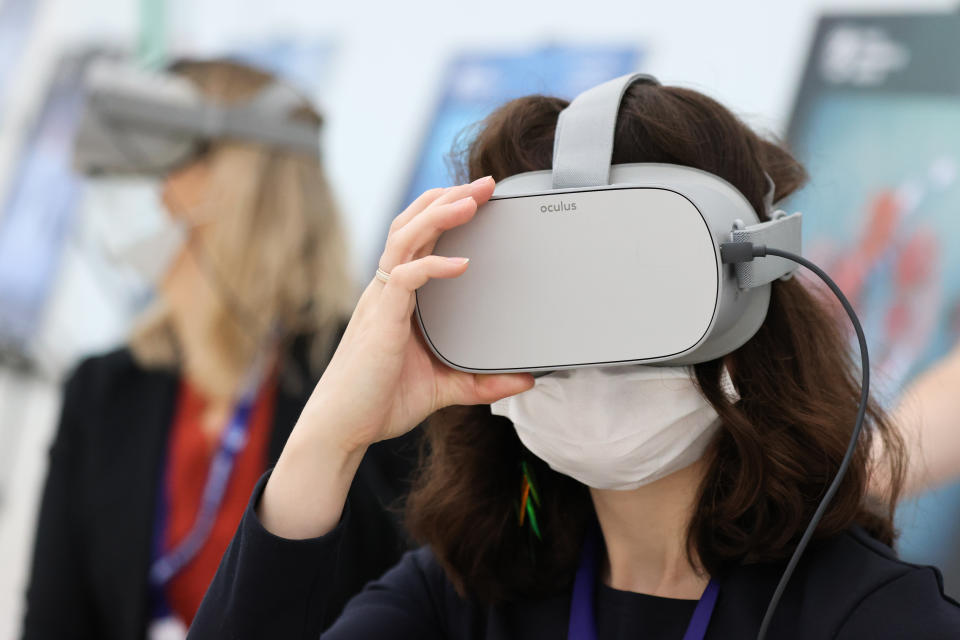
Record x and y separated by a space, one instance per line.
188 462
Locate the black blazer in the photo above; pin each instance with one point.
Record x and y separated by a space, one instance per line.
92 551
848 587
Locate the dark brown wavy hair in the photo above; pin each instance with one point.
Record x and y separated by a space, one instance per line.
779 446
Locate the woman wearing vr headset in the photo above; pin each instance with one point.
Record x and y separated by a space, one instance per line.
161 442
665 502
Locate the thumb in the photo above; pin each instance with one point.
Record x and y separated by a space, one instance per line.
488 388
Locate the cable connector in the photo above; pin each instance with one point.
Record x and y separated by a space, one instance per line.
737 252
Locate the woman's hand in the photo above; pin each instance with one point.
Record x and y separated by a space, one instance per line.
382 381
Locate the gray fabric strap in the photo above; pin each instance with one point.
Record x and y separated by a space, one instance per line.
259 122
276 97
583 143
783 232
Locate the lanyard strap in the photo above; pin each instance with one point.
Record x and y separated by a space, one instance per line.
583 624
232 442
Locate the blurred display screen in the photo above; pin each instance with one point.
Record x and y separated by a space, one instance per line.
476 84
38 212
877 124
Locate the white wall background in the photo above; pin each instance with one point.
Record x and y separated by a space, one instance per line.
746 53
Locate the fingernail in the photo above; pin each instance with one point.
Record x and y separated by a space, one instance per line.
463 200
459 260
480 180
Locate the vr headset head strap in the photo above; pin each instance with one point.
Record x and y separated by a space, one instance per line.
583 143
266 119
180 110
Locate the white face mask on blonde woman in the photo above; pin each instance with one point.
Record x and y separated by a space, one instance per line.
135 226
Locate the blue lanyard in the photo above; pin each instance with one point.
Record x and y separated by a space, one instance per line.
583 624
232 442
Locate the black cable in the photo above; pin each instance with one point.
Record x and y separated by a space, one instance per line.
733 252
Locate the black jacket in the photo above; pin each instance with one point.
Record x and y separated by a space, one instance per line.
89 575
846 588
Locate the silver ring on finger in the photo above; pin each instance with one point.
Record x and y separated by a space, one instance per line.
382 275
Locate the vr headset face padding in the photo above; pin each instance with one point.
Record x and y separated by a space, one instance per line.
590 264
136 121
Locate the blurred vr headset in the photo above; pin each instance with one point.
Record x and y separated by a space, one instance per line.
591 264
139 121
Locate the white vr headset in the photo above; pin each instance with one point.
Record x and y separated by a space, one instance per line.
591 264
139 121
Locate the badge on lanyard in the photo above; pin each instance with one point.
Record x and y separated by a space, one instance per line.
164 566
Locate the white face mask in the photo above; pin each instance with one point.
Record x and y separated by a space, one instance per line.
615 427
134 226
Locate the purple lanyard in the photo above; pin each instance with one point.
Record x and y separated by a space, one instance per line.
232 442
583 624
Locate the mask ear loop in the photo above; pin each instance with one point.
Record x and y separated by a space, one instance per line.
771 211
769 195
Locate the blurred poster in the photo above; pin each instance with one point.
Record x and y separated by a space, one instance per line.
16 22
38 213
877 123
475 84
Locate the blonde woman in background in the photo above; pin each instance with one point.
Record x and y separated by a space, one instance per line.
161 442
